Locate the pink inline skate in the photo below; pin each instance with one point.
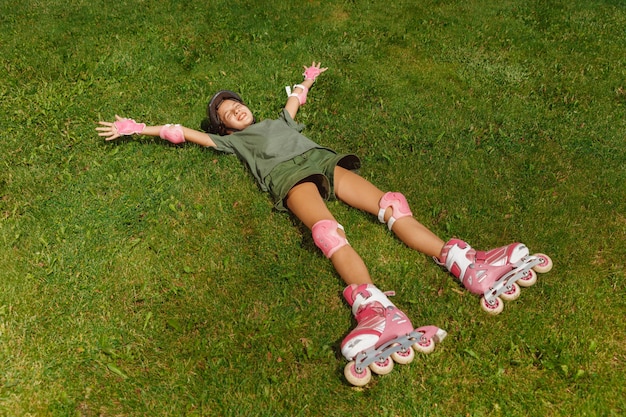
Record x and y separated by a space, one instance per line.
384 334
497 274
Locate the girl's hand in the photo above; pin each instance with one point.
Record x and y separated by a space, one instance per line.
312 72
108 130
120 127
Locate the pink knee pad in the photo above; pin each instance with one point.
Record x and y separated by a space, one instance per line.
327 238
399 205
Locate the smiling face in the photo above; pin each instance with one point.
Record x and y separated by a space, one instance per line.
234 115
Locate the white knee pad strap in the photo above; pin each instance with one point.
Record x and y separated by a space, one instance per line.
327 238
399 205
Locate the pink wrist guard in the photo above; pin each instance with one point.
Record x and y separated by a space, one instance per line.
129 127
172 133
311 73
301 96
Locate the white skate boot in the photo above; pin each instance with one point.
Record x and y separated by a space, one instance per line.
384 334
496 274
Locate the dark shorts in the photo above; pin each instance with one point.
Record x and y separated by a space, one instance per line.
316 166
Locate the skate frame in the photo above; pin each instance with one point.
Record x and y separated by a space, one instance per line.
399 344
505 282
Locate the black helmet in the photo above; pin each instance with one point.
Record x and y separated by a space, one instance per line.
212 123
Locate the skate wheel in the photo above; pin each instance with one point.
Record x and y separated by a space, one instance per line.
424 346
545 265
512 294
382 368
356 378
530 278
403 357
494 309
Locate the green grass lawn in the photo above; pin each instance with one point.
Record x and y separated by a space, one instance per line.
143 279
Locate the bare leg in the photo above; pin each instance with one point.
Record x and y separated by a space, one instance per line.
305 202
358 192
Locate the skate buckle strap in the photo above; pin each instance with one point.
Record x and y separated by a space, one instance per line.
371 294
481 257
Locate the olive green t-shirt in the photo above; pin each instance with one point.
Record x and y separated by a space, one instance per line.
266 144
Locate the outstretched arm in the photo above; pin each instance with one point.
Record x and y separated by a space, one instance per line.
173 133
300 91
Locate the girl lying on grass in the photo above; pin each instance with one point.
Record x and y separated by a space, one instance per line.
301 175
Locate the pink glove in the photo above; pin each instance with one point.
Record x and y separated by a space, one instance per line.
173 133
312 72
129 127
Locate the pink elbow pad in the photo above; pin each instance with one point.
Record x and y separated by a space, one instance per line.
129 127
301 96
172 133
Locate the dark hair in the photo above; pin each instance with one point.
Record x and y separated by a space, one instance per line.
212 123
